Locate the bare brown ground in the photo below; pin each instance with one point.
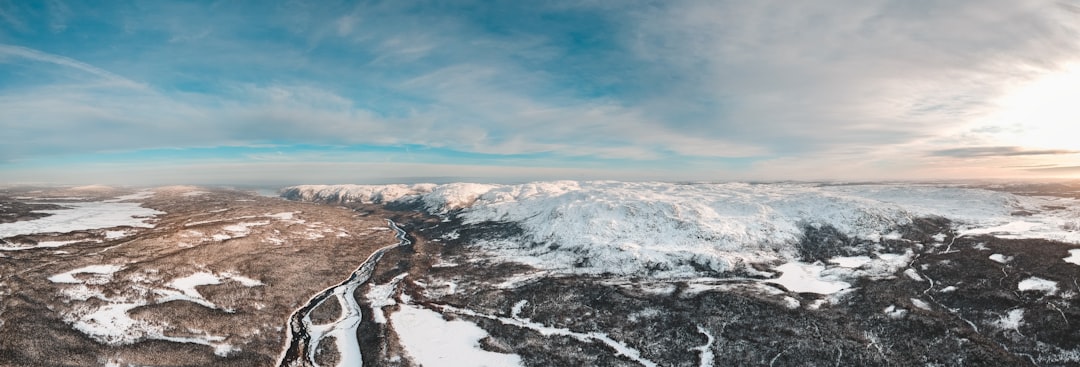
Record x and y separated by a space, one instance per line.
230 234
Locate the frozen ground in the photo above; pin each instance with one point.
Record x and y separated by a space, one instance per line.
79 216
678 230
640 274
543 274
176 276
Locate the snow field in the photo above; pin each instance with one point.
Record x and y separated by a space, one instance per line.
382 295
433 341
83 216
799 277
108 321
675 230
515 320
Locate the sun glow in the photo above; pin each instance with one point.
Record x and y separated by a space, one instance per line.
1043 113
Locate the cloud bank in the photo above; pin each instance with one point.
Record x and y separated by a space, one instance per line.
706 89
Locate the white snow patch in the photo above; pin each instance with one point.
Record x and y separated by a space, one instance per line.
851 261
56 243
521 279
112 235
791 303
453 235
434 341
82 216
187 292
921 304
706 354
1010 228
1012 321
1074 257
948 289
243 228
110 324
187 284
644 313
883 267
443 263
914 275
620 348
703 285
894 312
817 304
801 277
40 244
382 295
243 280
1037 284
515 311
187 287
194 193
103 274
659 289
80 292
1001 258
894 235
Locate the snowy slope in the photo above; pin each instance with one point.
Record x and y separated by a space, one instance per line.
626 228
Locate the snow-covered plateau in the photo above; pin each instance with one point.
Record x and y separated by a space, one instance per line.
676 230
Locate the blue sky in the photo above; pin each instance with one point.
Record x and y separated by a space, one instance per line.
157 92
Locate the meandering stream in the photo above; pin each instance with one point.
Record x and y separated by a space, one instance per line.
304 336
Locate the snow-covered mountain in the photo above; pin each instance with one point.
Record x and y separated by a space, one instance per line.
628 228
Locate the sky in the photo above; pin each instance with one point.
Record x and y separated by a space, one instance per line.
289 92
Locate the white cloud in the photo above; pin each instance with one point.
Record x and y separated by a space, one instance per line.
835 88
827 74
11 51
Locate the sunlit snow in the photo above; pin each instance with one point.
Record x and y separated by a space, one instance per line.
1074 257
673 230
1011 321
1000 258
434 341
102 274
799 277
41 244
851 261
83 216
1037 284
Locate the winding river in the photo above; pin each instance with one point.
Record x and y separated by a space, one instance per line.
304 337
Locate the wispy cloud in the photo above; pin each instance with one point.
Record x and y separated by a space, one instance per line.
10 51
1061 169
733 88
881 72
998 152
